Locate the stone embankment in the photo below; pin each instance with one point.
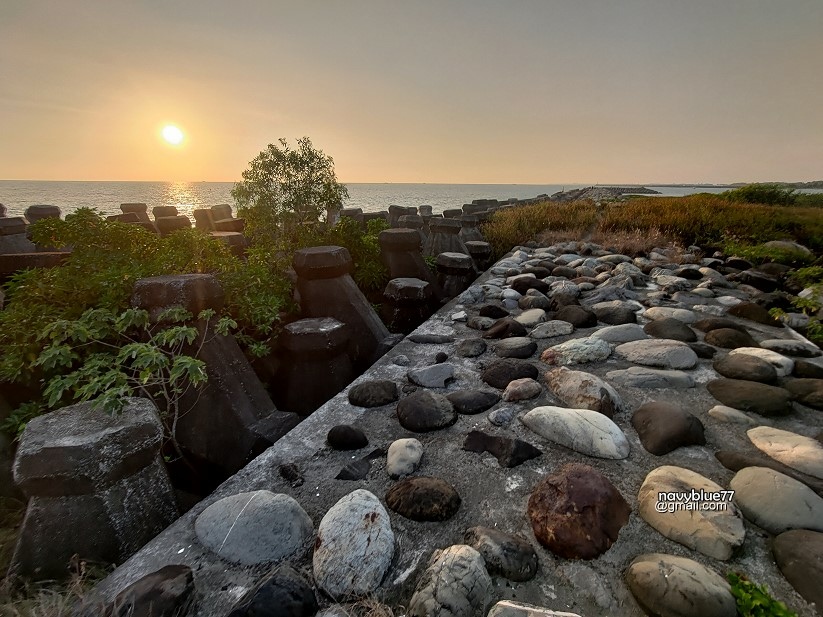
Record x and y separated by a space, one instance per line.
579 431
602 193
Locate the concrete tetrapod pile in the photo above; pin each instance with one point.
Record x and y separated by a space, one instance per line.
578 431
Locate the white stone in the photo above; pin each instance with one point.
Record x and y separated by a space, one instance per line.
254 528
403 457
582 430
797 451
550 329
624 333
784 365
459 316
716 533
577 351
354 546
731 415
776 502
531 317
662 312
507 608
663 353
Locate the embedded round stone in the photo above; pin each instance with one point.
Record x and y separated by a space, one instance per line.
729 338
677 586
743 366
531 317
505 554
373 393
505 328
661 353
781 363
471 402
423 498
346 437
709 529
799 555
470 348
499 373
577 316
577 351
354 546
521 390
651 378
663 312
809 392
576 512
322 262
550 329
663 427
796 451
787 347
424 411
435 376
516 347
582 430
753 312
455 584
581 390
621 334
254 528
776 502
751 396
670 328
403 457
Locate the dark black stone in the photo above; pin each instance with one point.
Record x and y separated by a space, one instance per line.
425 411
470 402
809 392
505 328
702 350
423 498
538 271
521 286
471 348
168 592
753 312
715 323
670 328
373 393
291 474
565 272
616 316
505 554
743 366
663 427
346 437
576 315
356 470
430 339
508 452
498 374
751 396
807 370
284 594
759 280
729 338
799 555
493 311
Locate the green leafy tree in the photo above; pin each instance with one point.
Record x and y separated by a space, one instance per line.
284 188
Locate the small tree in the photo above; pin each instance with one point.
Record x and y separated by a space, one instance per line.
283 188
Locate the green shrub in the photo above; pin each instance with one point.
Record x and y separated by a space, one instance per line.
758 254
754 600
764 193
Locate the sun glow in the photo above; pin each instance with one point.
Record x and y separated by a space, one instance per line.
172 135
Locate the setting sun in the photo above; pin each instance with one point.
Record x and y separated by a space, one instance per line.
172 135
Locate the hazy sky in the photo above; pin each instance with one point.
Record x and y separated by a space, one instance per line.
550 91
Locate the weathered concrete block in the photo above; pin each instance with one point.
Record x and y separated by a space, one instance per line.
193 292
400 250
164 211
455 272
126 217
222 211
39 212
168 224
230 224
407 303
203 219
444 238
140 209
96 486
14 262
469 231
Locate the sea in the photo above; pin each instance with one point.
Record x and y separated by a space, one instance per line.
106 197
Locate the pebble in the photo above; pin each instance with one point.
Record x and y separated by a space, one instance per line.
577 351
354 546
501 372
403 457
516 347
577 488
776 502
582 430
661 353
254 528
503 416
550 329
651 378
781 363
471 402
504 554
751 396
731 415
423 498
435 376
508 452
677 586
424 411
521 390
663 427
716 533
796 451
470 348
373 393
456 584
581 390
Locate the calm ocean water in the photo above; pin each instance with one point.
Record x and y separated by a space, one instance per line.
186 196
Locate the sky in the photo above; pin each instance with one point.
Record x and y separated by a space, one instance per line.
441 91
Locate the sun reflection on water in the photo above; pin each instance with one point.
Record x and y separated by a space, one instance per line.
181 196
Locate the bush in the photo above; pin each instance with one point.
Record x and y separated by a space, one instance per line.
767 194
754 600
283 189
759 254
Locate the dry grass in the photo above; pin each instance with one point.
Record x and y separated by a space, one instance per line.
369 607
